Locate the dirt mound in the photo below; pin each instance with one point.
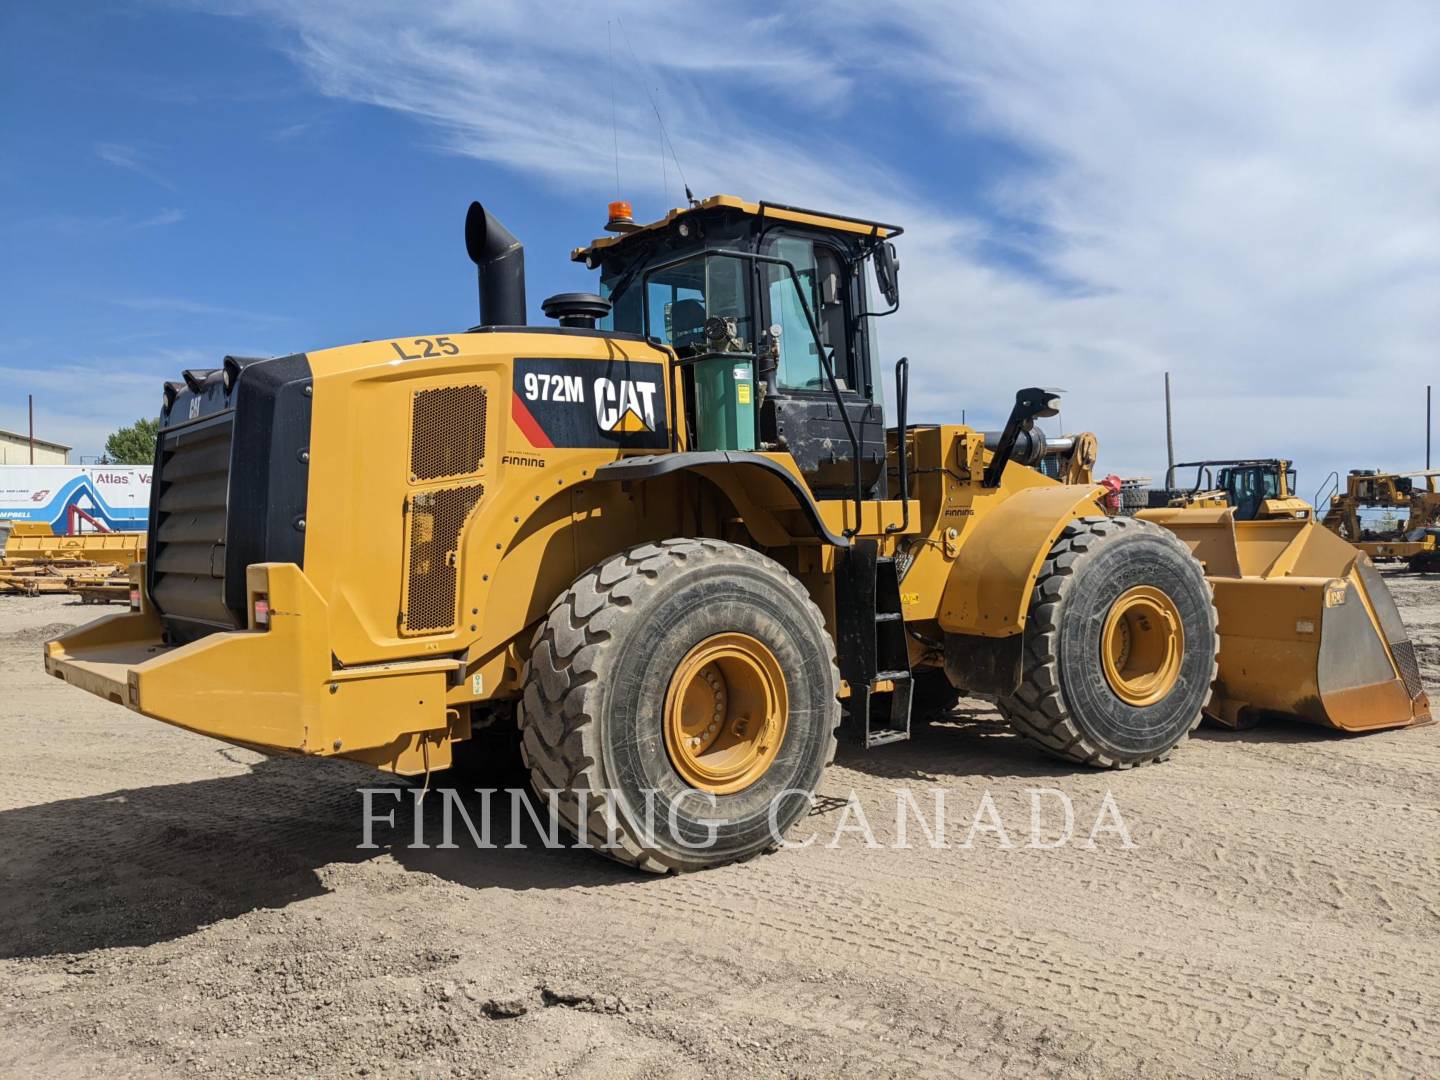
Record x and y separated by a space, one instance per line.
37 635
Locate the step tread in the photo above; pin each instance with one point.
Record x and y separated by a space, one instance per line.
891 676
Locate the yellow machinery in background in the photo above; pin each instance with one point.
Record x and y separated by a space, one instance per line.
673 541
1413 533
1258 489
31 543
34 560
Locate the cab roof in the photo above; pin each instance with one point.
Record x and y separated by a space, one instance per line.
816 218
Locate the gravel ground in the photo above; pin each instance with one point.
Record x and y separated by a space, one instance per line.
170 906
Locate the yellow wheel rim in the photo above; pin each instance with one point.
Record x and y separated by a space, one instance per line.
1142 645
725 713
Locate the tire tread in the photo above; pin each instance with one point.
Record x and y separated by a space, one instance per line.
568 666
1037 710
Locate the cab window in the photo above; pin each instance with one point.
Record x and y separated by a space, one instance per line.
681 300
818 273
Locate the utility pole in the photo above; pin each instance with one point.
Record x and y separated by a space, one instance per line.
1427 428
31 399
1169 434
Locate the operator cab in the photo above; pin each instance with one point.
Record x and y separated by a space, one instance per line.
767 309
1249 486
1257 488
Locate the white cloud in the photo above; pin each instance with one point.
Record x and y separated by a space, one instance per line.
168 216
179 305
114 393
81 401
1246 195
1250 196
132 159
88 225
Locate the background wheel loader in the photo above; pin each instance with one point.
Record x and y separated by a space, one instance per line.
672 539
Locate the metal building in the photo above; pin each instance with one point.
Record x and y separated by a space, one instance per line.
15 450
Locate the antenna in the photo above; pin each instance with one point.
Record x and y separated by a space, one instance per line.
664 135
614 123
665 168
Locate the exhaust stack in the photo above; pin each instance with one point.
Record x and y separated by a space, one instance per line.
500 260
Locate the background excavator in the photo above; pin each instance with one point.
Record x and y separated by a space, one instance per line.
673 540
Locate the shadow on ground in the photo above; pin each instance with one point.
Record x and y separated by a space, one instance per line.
966 741
1273 730
138 866
144 865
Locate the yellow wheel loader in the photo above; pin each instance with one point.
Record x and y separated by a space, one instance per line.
670 537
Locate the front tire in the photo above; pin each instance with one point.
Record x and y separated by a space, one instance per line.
1120 646
681 698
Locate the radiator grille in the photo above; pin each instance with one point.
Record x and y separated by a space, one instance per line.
434 522
190 511
447 432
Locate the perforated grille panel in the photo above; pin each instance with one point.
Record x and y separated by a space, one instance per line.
433 523
447 432
1391 625
1409 668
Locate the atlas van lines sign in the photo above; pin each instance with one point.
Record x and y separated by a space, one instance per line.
117 495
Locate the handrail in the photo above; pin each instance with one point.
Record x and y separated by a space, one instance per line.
1333 490
891 230
902 409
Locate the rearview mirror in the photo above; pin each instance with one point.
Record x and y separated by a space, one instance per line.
887 272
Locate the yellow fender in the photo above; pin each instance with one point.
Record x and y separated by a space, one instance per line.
1000 555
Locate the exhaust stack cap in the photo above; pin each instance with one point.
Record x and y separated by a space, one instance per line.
499 260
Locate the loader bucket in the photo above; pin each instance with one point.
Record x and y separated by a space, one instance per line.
1308 627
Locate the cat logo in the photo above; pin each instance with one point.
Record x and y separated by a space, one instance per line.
573 402
625 405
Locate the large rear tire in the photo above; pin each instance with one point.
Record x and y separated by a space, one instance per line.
681 699
1120 646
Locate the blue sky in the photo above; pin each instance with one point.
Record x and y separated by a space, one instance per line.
1245 195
